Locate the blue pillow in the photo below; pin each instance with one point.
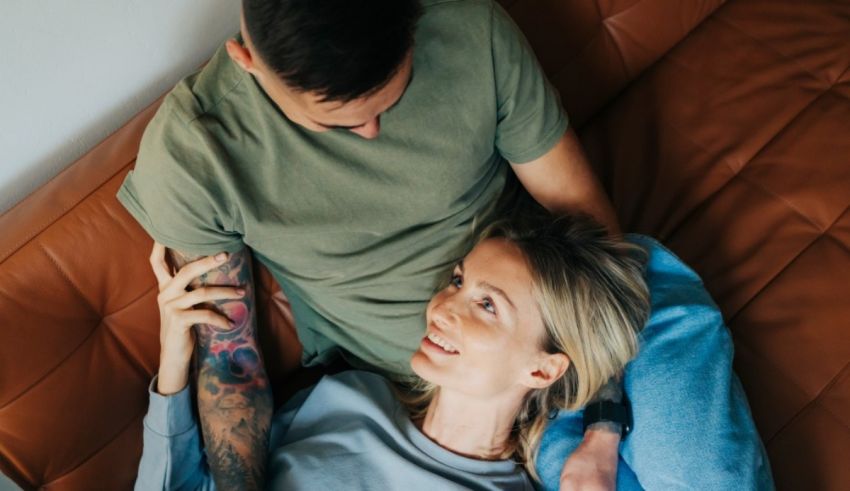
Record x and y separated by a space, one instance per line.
692 425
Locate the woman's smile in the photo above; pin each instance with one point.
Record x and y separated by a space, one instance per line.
433 341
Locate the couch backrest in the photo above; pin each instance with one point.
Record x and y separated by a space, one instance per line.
733 149
592 49
716 135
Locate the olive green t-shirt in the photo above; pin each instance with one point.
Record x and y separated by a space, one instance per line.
357 232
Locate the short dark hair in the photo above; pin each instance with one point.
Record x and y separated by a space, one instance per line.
339 49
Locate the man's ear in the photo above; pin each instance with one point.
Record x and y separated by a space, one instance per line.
550 368
240 54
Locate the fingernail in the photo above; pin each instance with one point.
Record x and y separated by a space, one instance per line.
221 256
240 292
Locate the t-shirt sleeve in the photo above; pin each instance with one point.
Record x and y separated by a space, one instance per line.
172 191
531 119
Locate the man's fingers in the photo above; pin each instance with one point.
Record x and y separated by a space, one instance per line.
208 317
159 265
208 294
196 268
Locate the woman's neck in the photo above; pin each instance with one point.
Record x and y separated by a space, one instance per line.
468 426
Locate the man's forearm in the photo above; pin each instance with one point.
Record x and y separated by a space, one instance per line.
234 396
563 181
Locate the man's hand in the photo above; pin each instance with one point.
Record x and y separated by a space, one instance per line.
593 466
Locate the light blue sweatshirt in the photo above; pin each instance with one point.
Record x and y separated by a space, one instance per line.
346 432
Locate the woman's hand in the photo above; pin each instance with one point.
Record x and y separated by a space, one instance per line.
178 315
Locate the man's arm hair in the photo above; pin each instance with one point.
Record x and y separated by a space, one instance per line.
234 395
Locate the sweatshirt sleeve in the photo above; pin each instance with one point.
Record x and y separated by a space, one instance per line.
172 457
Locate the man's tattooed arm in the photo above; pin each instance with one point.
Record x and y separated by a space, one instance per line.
234 395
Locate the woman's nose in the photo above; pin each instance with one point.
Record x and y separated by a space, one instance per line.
445 315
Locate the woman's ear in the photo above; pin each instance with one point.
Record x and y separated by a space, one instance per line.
550 368
240 54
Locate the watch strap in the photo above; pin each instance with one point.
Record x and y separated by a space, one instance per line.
609 411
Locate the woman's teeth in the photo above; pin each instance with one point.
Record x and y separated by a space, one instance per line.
442 343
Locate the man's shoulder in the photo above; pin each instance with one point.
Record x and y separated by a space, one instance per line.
198 110
203 93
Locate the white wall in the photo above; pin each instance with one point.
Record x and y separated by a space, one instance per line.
74 71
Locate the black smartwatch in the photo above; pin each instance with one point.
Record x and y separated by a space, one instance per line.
610 412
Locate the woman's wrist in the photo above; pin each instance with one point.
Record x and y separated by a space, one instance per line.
173 376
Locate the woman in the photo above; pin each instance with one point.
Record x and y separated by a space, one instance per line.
536 318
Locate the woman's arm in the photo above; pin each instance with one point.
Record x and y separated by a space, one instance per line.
172 458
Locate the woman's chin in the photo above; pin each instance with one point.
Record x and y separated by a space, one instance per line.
423 367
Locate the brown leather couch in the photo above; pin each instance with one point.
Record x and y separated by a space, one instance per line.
722 128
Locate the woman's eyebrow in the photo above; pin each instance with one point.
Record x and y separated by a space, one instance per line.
491 288
498 291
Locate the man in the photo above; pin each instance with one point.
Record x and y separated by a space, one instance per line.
353 146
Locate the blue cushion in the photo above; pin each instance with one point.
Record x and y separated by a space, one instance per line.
692 425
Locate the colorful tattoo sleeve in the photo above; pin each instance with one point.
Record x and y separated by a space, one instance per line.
234 396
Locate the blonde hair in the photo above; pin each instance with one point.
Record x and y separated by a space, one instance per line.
593 301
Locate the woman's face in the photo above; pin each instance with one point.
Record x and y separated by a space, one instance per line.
484 331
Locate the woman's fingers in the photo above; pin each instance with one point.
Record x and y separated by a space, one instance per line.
191 317
207 294
194 269
159 265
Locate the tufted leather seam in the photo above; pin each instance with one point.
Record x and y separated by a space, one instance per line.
130 303
758 152
784 127
772 138
84 340
617 47
616 14
831 237
787 203
49 372
134 419
829 387
604 21
767 284
131 360
589 42
50 221
815 401
599 12
557 73
839 81
765 44
69 280
784 268
707 199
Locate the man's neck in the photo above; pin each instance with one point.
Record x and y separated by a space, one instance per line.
469 426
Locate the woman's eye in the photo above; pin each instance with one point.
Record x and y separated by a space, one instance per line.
487 305
457 281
